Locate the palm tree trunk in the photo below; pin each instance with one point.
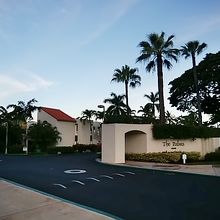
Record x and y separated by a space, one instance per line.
126 94
160 89
197 90
153 110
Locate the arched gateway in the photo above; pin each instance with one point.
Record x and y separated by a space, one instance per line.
118 139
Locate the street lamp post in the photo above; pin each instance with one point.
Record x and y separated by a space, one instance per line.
103 107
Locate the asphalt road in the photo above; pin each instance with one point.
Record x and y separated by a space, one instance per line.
128 193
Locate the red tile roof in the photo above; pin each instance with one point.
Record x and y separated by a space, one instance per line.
58 114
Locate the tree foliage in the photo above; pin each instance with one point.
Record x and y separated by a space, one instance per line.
129 77
43 135
117 106
158 52
183 93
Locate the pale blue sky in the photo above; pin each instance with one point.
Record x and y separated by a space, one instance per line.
64 52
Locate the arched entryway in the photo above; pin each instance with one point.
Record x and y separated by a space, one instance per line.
135 142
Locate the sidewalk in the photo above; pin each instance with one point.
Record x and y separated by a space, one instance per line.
184 168
17 203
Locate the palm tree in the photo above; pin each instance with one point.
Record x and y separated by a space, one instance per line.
117 106
23 112
127 76
87 116
193 48
100 115
153 98
4 115
146 110
157 52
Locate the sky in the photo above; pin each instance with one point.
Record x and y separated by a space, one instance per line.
64 52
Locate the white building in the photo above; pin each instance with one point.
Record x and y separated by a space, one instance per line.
88 132
72 131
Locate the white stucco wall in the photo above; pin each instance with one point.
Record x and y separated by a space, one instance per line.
43 116
67 130
120 138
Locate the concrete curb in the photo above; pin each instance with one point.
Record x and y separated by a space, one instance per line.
167 169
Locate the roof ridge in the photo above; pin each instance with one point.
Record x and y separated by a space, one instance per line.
58 114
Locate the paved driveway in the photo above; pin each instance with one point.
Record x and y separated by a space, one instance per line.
128 193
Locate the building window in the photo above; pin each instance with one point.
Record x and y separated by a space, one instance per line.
76 128
76 139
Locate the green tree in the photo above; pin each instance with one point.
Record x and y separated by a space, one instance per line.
87 114
158 52
43 135
153 98
22 111
129 77
183 93
4 115
191 49
99 115
170 119
146 110
117 106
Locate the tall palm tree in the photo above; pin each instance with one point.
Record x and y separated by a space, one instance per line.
4 115
153 98
87 116
23 111
117 106
191 49
129 77
158 52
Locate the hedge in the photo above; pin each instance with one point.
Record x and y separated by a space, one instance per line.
183 132
163 157
213 156
74 149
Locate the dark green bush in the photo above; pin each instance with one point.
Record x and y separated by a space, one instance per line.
164 157
128 119
78 148
213 156
183 132
15 149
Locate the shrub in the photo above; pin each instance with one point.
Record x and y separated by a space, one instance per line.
15 149
74 149
213 156
163 157
183 132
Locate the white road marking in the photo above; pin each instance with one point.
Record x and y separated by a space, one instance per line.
57 184
129 172
118 174
76 181
170 174
75 171
109 177
91 178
